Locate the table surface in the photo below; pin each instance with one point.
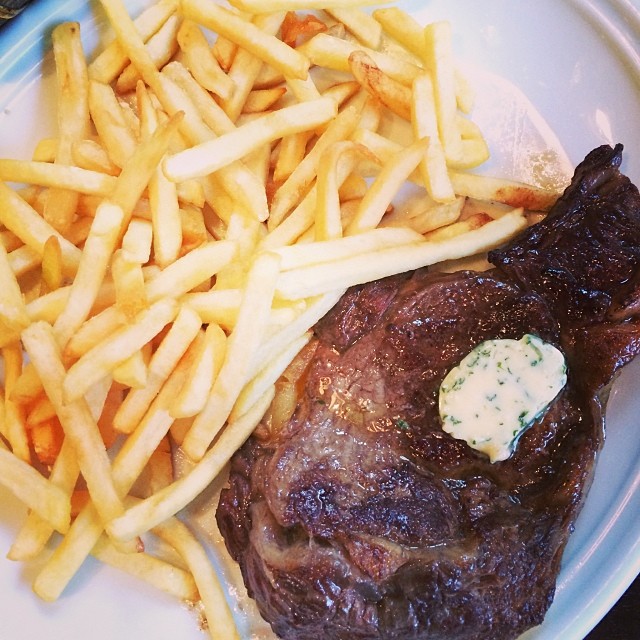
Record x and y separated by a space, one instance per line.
623 621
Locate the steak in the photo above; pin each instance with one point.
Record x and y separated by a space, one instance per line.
362 518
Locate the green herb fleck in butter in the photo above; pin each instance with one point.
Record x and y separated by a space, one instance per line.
498 390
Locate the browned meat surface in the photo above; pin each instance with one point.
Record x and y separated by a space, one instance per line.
362 518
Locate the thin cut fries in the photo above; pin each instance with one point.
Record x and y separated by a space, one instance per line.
215 154
221 173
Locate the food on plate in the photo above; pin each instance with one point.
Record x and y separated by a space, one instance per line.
215 182
352 513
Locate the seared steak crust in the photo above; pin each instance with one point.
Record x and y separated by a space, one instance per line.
362 518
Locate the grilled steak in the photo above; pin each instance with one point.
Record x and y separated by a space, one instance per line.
362 518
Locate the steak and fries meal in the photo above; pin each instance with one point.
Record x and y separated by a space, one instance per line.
213 257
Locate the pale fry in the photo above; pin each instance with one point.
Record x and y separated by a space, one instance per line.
13 311
301 255
97 363
268 48
296 186
386 185
127 466
333 53
191 269
168 501
199 107
336 164
425 124
201 61
314 280
243 341
193 395
161 574
73 116
132 372
246 67
439 60
210 156
267 376
115 133
265 6
14 412
105 231
181 334
362 25
112 60
161 47
36 530
216 610
45 498
60 176
77 422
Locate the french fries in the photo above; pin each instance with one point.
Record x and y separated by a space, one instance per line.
203 203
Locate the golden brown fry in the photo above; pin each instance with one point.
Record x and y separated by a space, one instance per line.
395 96
294 27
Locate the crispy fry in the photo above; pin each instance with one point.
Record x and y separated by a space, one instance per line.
395 96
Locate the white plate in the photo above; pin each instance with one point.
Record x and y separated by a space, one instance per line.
578 64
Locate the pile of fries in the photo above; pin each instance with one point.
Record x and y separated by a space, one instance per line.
219 176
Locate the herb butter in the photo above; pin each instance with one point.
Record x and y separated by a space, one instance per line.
498 390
